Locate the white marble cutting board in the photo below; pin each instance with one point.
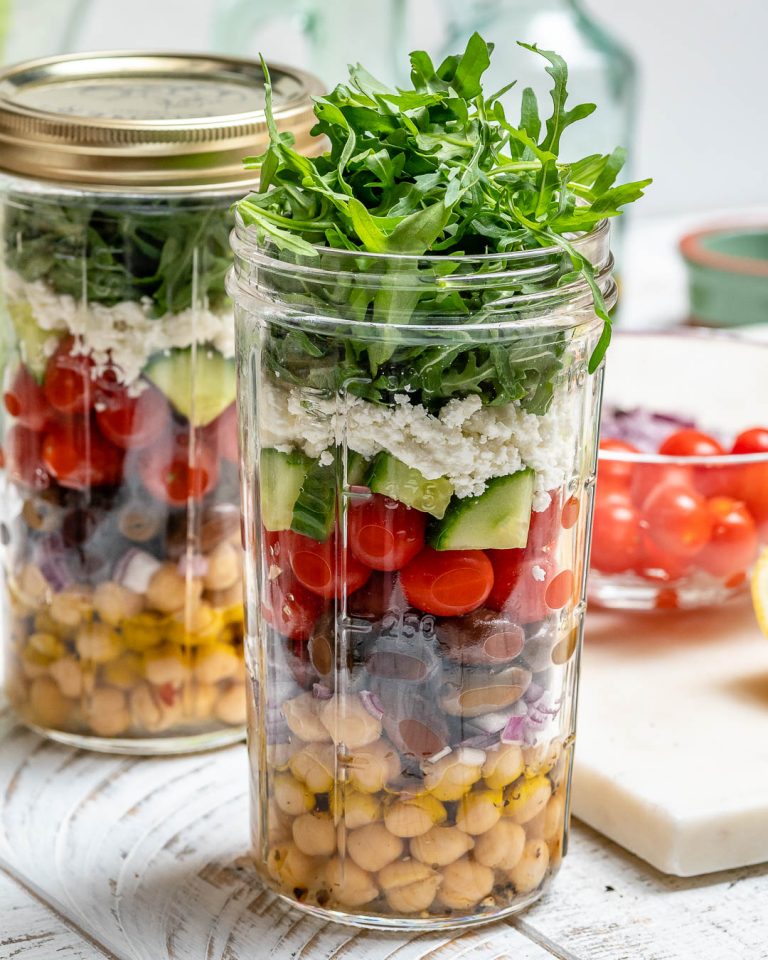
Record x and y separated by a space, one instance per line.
672 743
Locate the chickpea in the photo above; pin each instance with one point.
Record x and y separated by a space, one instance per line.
530 869
348 722
33 589
465 883
292 796
225 566
144 631
196 624
292 868
479 811
415 816
373 847
279 756
166 664
409 886
356 809
107 712
441 845
231 707
151 712
200 700
47 645
168 591
216 663
314 834
526 798
315 765
540 759
348 884
372 767
502 846
113 602
34 664
503 765
44 623
125 672
68 675
549 823
450 777
302 716
47 704
72 606
231 598
278 824
98 643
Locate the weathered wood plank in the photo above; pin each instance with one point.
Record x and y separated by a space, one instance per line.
30 931
149 857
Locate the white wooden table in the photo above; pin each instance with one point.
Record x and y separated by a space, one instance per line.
147 860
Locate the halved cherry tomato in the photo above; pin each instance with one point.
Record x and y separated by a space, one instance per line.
691 443
289 607
615 534
23 451
322 567
133 422
677 518
67 385
654 563
544 528
385 534
520 583
613 474
754 440
175 469
447 583
76 454
733 545
25 401
221 434
648 476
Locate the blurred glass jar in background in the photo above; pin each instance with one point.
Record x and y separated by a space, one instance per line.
35 28
120 496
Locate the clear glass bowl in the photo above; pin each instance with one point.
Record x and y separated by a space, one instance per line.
653 546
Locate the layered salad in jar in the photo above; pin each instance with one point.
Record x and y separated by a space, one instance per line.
420 500
121 528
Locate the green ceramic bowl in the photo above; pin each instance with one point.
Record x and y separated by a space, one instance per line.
727 275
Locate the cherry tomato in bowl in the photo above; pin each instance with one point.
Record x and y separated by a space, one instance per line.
616 533
733 545
691 443
178 468
677 518
447 583
385 534
615 474
754 440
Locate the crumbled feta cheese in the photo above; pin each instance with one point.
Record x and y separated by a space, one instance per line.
538 573
125 332
466 442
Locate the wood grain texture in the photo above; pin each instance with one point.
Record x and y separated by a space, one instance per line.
31 931
149 858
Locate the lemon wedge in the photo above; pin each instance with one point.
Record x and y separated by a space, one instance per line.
760 590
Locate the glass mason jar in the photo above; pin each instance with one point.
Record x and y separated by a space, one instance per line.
418 441
120 500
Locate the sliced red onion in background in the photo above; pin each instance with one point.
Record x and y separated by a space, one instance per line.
321 692
135 569
644 429
372 704
194 565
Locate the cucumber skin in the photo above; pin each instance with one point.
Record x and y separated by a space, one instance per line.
314 511
282 476
442 535
393 478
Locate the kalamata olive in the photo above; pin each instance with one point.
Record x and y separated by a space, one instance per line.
472 693
540 640
298 662
407 657
220 522
411 721
80 525
480 637
324 647
140 521
380 595
43 512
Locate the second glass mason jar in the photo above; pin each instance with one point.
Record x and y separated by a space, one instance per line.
120 506
418 444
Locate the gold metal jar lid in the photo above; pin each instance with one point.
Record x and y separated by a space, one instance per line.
138 120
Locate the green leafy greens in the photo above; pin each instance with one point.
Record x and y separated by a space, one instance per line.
437 169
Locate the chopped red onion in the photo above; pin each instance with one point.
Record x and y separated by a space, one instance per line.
51 559
372 704
321 692
515 730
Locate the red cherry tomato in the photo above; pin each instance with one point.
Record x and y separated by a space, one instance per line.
520 583
133 422
654 563
750 486
385 534
75 453
677 518
447 583
614 474
322 567
648 476
67 385
615 534
691 443
733 545
754 440
25 401
544 528
221 433
290 608
175 471
23 450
